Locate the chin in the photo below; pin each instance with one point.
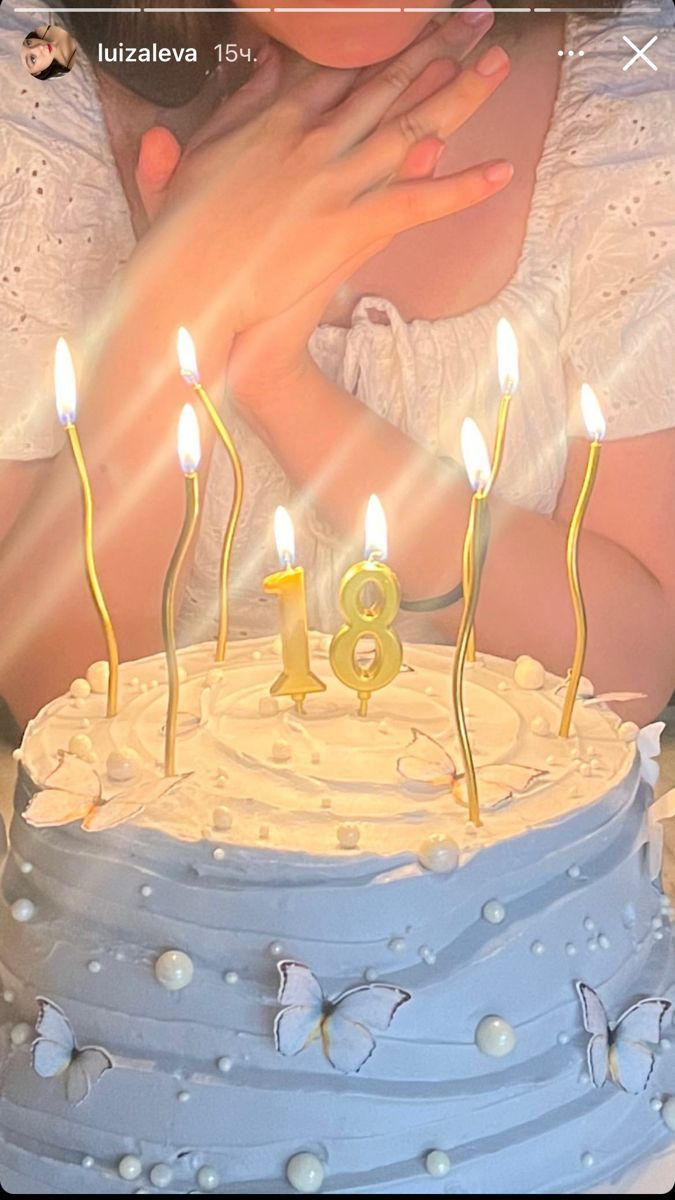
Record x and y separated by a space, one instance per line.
345 39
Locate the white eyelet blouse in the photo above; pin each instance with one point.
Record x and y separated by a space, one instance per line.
593 297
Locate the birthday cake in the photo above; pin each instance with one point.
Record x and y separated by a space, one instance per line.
295 965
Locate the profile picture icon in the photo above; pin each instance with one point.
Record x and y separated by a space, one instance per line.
48 52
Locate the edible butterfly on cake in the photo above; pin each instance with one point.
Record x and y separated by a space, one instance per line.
74 792
620 1052
343 1024
55 1053
429 768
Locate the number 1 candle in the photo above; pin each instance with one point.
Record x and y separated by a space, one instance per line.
477 463
595 425
66 407
288 584
374 620
189 454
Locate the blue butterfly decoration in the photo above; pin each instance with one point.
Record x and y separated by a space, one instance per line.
344 1024
619 1052
54 1052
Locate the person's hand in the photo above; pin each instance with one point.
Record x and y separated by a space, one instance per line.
287 191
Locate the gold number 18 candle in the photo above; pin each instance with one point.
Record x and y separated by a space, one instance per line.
288 584
372 620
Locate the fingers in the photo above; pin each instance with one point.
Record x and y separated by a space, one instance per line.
405 205
247 102
370 102
380 156
158 157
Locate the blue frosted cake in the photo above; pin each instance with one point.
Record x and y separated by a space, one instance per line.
296 966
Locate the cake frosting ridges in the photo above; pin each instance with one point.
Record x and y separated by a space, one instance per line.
508 932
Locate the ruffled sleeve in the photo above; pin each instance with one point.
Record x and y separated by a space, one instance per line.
618 172
64 232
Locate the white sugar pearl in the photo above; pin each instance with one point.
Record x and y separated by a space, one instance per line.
26 868
656 1104
587 1159
437 1163
305 1172
370 975
550 760
540 726
603 941
428 691
563 1039
438 853
183 1097
595 764
94 966
224 1064
628 731
17 754
537 948
383 727
87 1162
208 1178
574 872
495 1037
129 1167
122 765
592 945
80 688
174 970
221 817
215 675
658 934
97 676
161 1175
348 836
231 977
81 745
529 673
665 1043
657 923
503 685
281 750
589 924
256 655
397 944
570 949
276 949
668 1113
493 911
8 996
23 910
584 769
21 1033
146 890
427 955
218 854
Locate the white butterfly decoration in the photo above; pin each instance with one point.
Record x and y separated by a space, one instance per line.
649 748
431 768
55 1053
343 1024
618 1052
74 793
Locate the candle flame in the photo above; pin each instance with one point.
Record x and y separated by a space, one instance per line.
592 414
187 356
189 446
475 455
65 384
284 535
507 357
376 529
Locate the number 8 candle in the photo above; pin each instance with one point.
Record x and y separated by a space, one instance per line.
368 621
296 679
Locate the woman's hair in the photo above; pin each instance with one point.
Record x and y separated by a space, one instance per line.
55 68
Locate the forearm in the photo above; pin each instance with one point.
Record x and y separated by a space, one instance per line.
130 400
336 450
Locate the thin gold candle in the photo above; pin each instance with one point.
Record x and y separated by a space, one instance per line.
477 463
189 454
66 407
189 369
507 367
296 679
368 620
595 424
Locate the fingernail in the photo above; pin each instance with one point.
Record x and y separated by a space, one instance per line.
498 172
494 60
478 13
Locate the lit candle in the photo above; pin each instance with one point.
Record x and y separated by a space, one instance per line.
189 454
369 621
595 425
477 464
66 407
288 584
189 369
507 367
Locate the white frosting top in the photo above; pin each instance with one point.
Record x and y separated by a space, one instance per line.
294 782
